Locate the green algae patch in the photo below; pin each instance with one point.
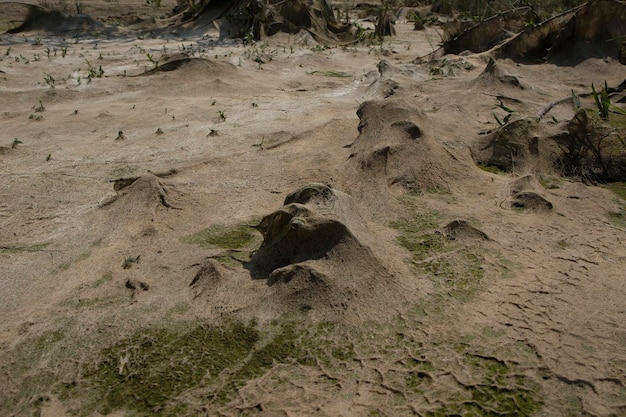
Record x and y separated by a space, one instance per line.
495 389
492 169
22 364
158 370
618 188
456 269
21 248
225 237
147 372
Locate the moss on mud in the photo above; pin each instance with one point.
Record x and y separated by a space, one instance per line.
226 237
453 267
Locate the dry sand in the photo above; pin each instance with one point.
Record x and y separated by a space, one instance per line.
535 304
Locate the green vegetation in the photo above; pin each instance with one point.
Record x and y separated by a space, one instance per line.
491 168
550 183
156 369
169 368
227 237
129 261
66 265
499 391
20 248
339 74
456 269
619 188
149 370
618 218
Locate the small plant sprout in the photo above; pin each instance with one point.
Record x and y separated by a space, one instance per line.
39 108
49 80
221 115
151 59
120 136
255 104
603 102
16 142
49 157
159 131
129 261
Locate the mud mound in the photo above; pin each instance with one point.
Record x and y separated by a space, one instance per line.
394 148
594 29
391 79
462 230
495 76
295 234
134 206
316 259
530 200
38 19
525 193
313 221
186 65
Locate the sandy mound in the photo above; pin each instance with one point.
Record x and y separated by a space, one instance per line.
315 257
494 76
525 193
394 147
133 208
187 66
462 230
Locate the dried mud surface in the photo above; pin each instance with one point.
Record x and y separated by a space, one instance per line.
404 280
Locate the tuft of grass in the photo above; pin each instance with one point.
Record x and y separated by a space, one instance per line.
226 237
129 261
